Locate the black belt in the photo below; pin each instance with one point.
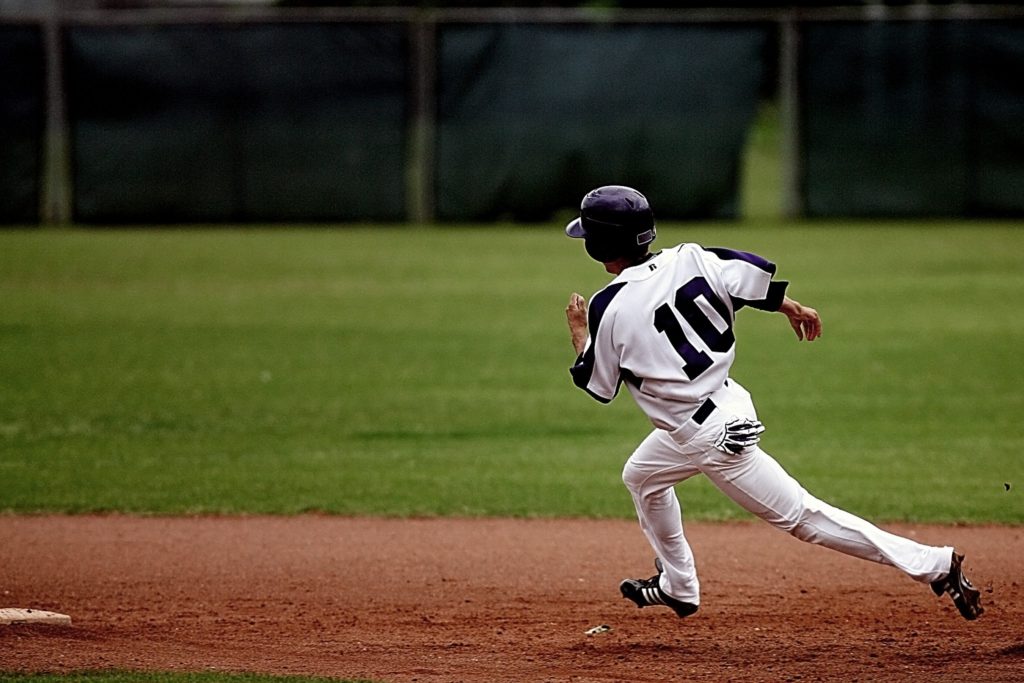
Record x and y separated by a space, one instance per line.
702 413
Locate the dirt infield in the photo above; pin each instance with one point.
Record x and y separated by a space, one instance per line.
490 600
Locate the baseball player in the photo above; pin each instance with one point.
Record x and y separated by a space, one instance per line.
663 328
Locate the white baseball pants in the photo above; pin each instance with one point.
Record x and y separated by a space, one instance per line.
755 481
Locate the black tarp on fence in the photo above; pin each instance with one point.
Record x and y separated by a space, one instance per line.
532 116
21 123
918 118
266 120
238 122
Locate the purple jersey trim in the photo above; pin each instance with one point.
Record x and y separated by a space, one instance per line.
583 369
771 302
753 259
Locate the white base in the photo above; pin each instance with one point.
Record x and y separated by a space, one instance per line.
13 615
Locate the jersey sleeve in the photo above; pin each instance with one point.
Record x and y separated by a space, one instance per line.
748 279
596 370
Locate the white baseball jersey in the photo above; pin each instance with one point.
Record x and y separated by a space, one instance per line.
665 328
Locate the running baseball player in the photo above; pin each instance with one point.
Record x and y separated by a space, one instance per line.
663 328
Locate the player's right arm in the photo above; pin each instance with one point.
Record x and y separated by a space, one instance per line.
596 369
805 320
576 315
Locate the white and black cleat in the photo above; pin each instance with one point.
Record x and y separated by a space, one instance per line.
648 593
965 596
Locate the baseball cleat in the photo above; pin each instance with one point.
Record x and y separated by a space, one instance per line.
965 596
647 592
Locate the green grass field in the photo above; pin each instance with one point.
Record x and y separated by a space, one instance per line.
394 371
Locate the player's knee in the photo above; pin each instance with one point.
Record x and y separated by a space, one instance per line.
795 519
804 524
633 477
640 480
647 490
803 531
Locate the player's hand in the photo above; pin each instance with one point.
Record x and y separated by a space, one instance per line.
576 315
804 320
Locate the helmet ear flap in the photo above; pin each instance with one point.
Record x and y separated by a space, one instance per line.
600 250
607 244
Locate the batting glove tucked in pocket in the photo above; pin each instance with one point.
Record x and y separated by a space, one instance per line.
739 433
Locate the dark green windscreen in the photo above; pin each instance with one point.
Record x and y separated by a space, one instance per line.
238 123
530 117
913 118
21 123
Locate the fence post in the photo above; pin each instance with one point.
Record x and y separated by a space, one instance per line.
420 200
789 117
55 195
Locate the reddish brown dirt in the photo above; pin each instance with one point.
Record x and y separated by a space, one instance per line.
490 600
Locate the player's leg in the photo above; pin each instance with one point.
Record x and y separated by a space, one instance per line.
755 481
650 474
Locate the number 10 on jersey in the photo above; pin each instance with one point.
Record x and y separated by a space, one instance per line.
685 302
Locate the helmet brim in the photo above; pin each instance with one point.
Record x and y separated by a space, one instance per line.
575 228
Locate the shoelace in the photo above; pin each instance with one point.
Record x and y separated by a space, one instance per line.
651 582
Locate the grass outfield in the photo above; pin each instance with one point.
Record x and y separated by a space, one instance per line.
394 371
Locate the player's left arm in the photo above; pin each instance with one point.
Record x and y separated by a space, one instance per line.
805 320
749 280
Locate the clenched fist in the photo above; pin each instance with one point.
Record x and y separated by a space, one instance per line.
576 315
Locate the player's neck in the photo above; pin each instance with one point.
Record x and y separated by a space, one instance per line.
620 264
